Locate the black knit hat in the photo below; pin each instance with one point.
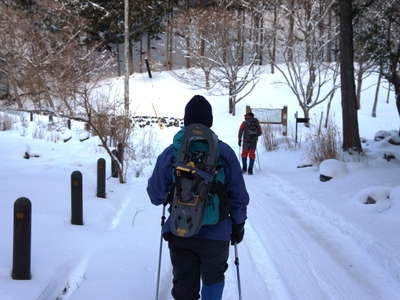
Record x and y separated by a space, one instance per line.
198 110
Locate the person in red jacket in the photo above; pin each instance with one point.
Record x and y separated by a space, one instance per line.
249 130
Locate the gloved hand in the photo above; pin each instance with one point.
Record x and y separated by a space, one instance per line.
240 143
237 233
167 236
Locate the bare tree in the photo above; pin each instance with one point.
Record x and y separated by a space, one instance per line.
311 79
218 48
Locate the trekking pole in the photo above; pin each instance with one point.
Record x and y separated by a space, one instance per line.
237 271
258 160
160 253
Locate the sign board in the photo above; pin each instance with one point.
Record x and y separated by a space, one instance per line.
266 115
271 116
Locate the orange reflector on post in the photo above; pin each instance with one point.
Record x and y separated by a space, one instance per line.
20 215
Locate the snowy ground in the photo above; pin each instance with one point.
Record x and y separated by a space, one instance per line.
304 239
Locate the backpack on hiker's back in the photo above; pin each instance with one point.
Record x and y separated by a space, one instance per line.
199 197
251 130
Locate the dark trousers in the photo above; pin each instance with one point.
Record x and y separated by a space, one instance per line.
194 258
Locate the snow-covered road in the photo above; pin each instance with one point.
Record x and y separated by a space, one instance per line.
312 259
287 253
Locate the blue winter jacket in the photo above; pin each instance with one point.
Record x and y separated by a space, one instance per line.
160 181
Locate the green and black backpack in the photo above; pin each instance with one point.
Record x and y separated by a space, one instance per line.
199 197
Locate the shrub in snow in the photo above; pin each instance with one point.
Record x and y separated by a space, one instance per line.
377 198
324 143
269 134
140 151
39 131
332 168
380 135
6 122
395 194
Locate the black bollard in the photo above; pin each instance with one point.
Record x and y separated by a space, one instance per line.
76 198
114 169
69 124
21 269
50 118
101 178
31 116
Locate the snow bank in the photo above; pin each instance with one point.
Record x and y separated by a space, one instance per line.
395 194
376 198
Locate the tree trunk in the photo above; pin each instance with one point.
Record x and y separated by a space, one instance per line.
397 91
141 55
207 78
148 47
168 42
394 61
306 112
291 30
130 57
119 59
351 136
240 53
329 44
17 97
188 51
388 93
378 85
274 33
328 111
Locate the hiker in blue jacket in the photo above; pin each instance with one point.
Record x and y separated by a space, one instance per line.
203 256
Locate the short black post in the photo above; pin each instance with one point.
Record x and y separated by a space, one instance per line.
31 116
50 118
21 269
101 178
114 169
69 124
148 67
76 198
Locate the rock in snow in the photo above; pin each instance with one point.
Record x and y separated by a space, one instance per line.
332 168
380 194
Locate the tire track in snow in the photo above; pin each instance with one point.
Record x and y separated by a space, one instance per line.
314 259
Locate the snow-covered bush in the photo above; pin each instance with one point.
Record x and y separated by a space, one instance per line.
323 143
140 151
39 131
273 138
6 122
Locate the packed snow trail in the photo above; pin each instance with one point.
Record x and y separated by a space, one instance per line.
314 259
287 254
